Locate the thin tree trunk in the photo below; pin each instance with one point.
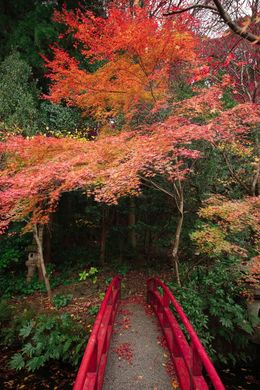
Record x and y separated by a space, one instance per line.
38 236
131 223
179 200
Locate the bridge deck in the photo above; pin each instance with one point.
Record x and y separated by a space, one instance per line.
136 358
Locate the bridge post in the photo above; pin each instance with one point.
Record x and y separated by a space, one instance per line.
196 365
93 361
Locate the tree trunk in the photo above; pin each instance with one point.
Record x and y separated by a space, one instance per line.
38 236
179 200
131 223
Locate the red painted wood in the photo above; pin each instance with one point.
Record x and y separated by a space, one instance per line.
189 359
92 368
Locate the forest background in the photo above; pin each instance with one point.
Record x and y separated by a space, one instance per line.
130 140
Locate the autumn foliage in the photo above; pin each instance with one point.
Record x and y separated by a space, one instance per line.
129 63
232 227
136 56
38 170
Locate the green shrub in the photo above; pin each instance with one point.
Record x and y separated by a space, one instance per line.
91 274
11 322
17 285
47 338
93 310
13 248
211 300
60 300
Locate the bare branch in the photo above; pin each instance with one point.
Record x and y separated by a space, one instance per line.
234 26
197 6
224 15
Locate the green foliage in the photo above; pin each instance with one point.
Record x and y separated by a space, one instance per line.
101 295
59 120
228 99
91 274
211 300
32 34
108 280
18 95
6 312
93 310
47 338
11 321
17 285
121 268
13 248
60 300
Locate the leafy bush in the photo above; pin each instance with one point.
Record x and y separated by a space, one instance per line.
121 268
18 94
60 300
47 338
13 248
91 274
11 322
17 285
101 295
212 301
6 313
93 310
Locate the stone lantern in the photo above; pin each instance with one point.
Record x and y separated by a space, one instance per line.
33 262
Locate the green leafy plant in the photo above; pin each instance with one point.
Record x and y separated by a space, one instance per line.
108 280
45 338
93 310
13 248
11 321
211 299
121 268
17 285
91 274
101 295
60 300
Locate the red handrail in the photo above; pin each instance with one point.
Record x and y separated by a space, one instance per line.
189 358
92 368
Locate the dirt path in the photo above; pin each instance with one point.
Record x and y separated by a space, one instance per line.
138 359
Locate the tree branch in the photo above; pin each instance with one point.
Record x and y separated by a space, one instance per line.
157 186
234 26
224 16
197 6
233 173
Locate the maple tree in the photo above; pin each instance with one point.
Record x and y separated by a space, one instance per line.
31 175
136 54
240 60
38 170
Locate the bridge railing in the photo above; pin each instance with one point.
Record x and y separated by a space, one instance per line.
92 368
190 359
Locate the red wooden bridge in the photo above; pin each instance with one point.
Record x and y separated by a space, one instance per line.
193 366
